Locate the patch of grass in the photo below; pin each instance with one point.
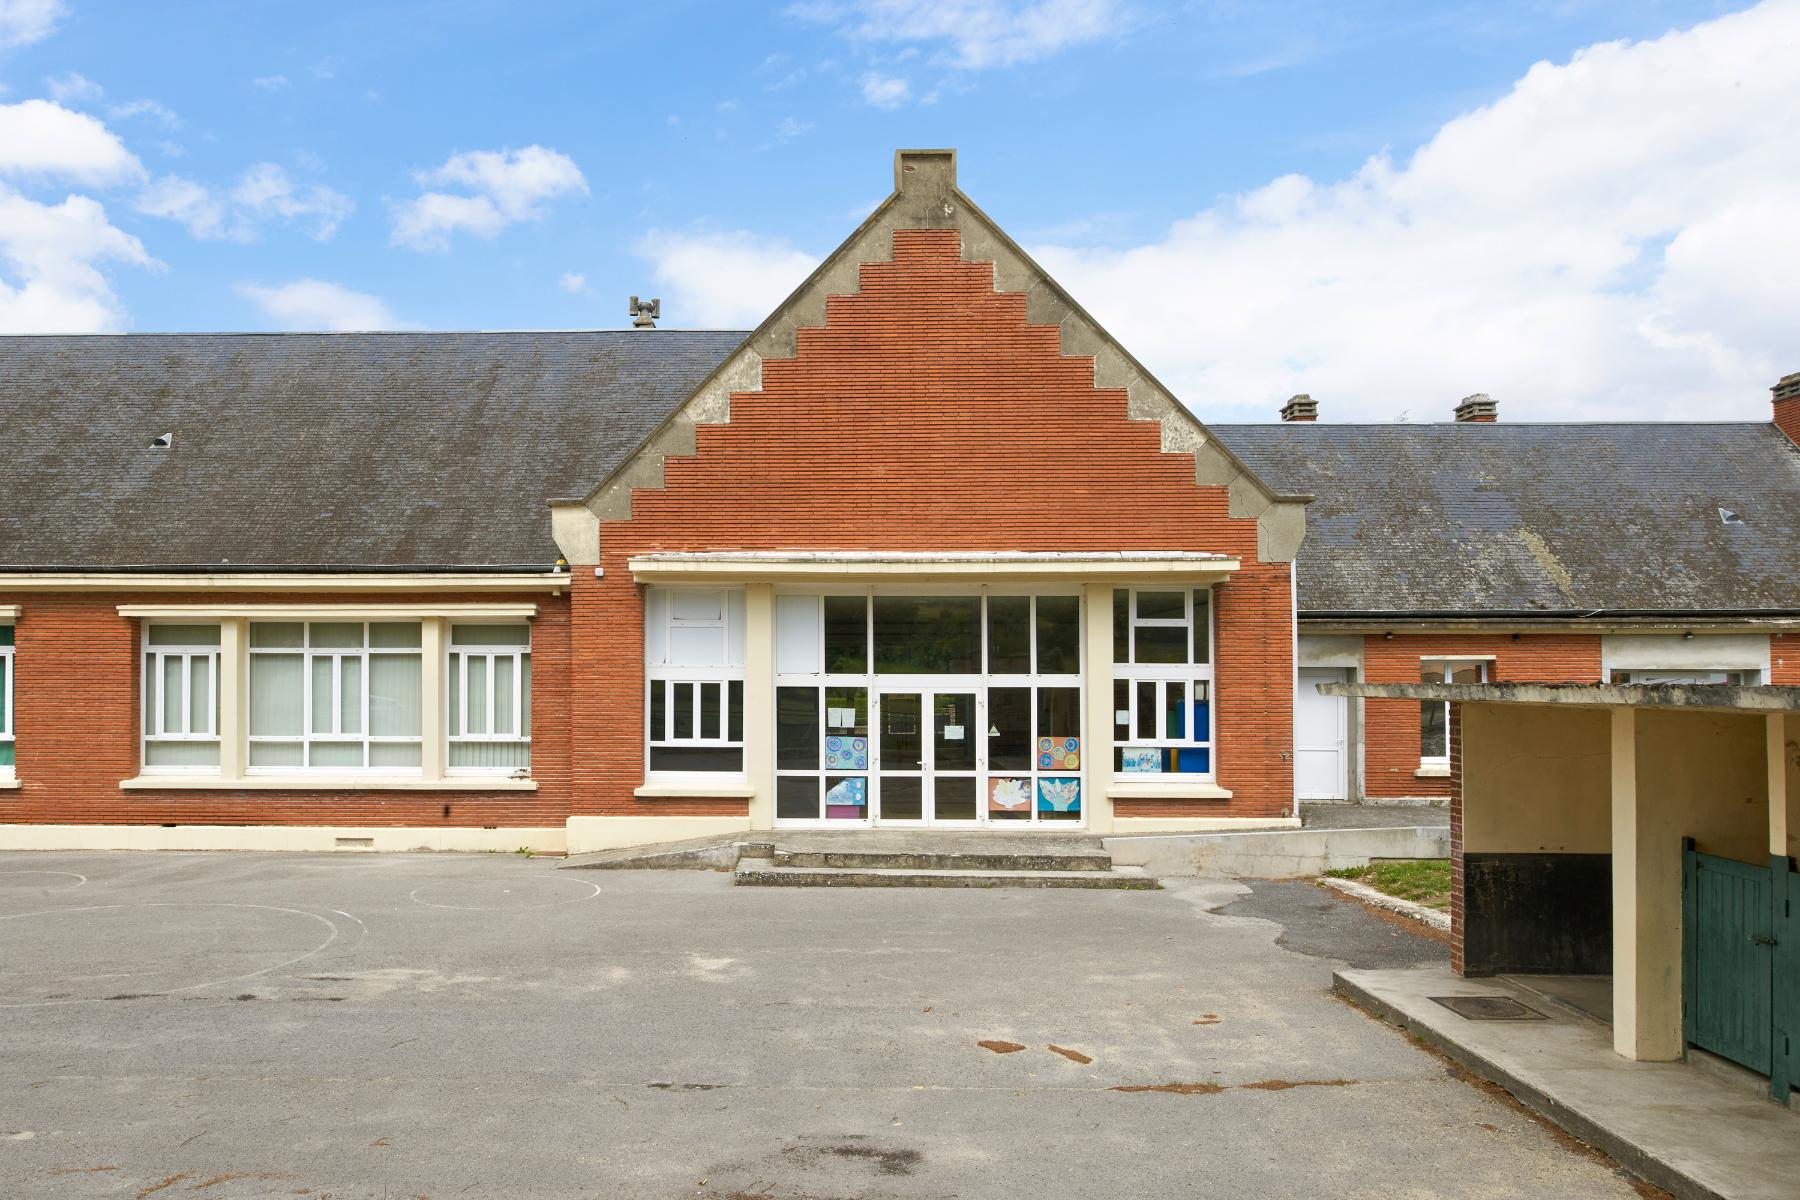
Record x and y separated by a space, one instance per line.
1422 880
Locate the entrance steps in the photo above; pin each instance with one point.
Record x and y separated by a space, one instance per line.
762 872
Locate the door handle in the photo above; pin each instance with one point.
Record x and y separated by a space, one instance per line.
1762 939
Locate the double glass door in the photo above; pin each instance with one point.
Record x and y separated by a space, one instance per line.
927 758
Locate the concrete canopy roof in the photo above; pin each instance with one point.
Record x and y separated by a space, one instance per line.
1713 697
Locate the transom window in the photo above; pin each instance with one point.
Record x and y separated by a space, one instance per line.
6 702
489 682
1162 681
1672 675
1434 715
694 680
181 698
335 695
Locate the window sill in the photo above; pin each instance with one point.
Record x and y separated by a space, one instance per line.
8 782
694 791
1173 788
1432 770
324 783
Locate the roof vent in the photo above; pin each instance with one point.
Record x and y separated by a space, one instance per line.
1477 409
162 441
1300 408
645 312
1727 517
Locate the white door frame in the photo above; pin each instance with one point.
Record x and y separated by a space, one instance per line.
953 685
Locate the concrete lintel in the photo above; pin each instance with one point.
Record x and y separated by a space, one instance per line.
1714 697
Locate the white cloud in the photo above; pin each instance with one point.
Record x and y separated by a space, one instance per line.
573 283
313 304
884 91
25 21
978 33
50 266
723 280
45 140
74 88
500 188
270 83
262 194
1608 239
155 110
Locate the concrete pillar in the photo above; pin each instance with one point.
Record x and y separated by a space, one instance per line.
433 723
1646 896
234 639
759 701
1775 738
1097 728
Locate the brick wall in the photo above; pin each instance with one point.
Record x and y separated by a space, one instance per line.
1391 727
76 719
927 414
1784 659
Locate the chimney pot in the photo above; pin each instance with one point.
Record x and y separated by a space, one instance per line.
1786 396
1300 408
644 313
1478 409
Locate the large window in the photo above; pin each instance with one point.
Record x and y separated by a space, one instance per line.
1672 675
694 680
181 698
489 684
1162 681
341 696
6 702
1434 715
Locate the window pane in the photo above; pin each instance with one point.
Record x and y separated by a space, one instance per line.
709 710
278 635
477 702
181 754
1059 712
6 635
525 697
395 635
847 635
1174 712
1202 625
953 733
1121 625
1059 635
453 718
928 635
350 698
151 676
953 797
846 797
324 696
1433 731
335 635
396 698
275 695
1465 673
393 754
1121 710
697 646
681 720
797 728
494 756
1009 635
1202 711
1009 729
797 797
1162 643
335 754
797 635
503 695
696 758
697 605
902 797
489 635
275 754
659 723
172 693
1146 710
200 694
1161 606
1432 672
902 742
734 731
184 635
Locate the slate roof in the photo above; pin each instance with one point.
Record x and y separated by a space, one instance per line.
321 451
1523 518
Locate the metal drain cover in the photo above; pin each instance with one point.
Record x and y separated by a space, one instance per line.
1489 1008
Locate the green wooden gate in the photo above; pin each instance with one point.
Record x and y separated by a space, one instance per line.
1741 963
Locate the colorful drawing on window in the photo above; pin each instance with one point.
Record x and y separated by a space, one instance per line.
847 793
1009 795
1059 795
846 753
1059 754
1142 760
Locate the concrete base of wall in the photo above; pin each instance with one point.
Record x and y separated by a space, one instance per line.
310 838
1128 826
587 834
1276 854
1406 801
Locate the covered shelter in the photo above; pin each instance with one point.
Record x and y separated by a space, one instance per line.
1642 832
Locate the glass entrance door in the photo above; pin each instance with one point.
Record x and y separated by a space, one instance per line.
927 757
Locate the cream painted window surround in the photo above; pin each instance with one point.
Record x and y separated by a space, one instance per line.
233 712
9 613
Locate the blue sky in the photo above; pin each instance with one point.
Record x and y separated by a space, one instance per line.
504 165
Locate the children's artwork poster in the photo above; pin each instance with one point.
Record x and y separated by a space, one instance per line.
1059 795
1142 760
1009 795
1059 754
847 793
846 753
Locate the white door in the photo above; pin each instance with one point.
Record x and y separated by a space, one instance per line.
1319 736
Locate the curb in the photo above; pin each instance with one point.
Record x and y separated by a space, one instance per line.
1406 908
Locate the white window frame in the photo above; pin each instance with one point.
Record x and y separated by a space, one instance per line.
8 770
309 736
456 659
1733 676
153 700
660 604
1449 663
1164 677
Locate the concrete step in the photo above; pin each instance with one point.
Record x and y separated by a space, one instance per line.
762 872
962 859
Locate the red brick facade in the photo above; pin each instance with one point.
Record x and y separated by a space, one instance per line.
1391 727
1784 659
